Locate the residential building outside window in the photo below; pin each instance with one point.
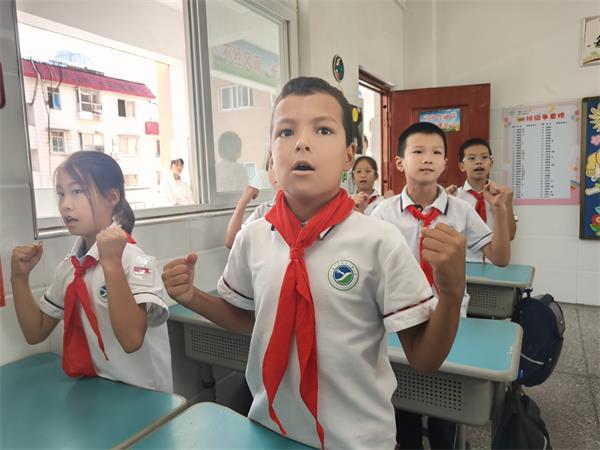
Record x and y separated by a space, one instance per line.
89 100
128 145
235 97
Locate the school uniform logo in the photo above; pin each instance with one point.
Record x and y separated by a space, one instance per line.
343 275
103 293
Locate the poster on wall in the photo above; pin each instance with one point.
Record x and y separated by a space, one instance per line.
589 208
541 153
447 119
590 46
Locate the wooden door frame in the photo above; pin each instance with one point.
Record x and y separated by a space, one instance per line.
384 90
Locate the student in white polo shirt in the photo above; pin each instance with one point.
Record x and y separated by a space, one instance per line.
421 155
475 159
364 175
106 290
236 222
320 297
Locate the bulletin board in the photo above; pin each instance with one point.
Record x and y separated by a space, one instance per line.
589 222
541 153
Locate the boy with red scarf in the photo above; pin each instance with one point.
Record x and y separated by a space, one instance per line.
475 159
320 297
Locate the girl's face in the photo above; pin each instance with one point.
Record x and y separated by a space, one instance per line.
81 216
364 176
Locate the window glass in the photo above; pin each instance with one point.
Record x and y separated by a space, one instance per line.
245 72
94 73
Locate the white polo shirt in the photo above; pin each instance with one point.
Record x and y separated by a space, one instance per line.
454 212
364 285
463 193
150 366
259 212
374 200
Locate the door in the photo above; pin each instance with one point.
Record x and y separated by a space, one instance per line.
405 108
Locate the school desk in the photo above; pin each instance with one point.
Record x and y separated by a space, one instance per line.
210 426
42 407
495 290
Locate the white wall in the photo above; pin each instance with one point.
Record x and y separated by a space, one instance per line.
529 51
365 33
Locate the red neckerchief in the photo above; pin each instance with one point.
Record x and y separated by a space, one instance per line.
480 205
77 359
426 219
295 308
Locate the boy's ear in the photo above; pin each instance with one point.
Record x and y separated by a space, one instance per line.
399 163
461 167
350 152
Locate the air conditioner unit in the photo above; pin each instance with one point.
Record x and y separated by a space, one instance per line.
97 109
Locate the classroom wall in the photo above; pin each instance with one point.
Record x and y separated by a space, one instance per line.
529 51
365 33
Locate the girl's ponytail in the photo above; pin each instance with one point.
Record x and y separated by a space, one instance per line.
124 215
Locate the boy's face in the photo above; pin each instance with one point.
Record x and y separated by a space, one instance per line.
424 158
476 163
308 145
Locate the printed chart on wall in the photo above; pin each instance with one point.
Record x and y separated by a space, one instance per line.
541 153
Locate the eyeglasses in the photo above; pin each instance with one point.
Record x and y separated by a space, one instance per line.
482 158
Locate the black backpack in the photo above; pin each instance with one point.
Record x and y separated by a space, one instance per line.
521 425
543 326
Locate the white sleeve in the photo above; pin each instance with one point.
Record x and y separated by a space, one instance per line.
403 295
259 212
235 285
377 212
477 233
52 302
146 285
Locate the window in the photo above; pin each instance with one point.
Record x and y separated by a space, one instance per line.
131 180
91 141
126 108
89 100
235 97
57 141
100 73
128 145
53 98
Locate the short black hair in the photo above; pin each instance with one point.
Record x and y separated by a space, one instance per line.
303 86
469 143
419 127
174 162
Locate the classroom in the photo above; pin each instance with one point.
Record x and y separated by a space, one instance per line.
174 114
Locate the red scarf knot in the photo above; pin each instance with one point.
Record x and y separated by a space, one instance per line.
427 219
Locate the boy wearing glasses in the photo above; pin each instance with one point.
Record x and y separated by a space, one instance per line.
475 159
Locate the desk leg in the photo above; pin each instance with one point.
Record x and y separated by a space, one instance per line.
461 441
497 406
191 379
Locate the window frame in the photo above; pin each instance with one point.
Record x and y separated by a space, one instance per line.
54 134
235 96
196 66
95 106
54 94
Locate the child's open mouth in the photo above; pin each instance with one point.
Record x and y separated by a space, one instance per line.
303 166
69 220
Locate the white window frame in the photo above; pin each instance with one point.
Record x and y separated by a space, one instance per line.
196 65
59 135
93 105
236 97
128 138
94 147
129 106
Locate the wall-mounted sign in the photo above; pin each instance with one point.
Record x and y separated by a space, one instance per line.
337 66
246 60
589 207
447 119
541 153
